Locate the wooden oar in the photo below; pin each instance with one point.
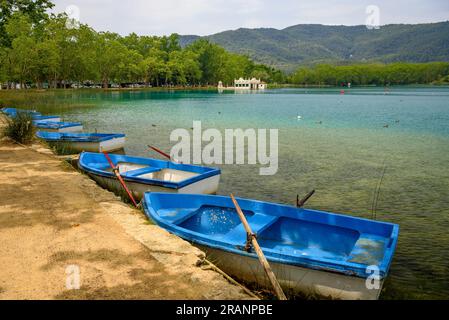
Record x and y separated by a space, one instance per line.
277 287
160 152
120 179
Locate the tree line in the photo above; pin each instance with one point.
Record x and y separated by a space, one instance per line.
372 74
37 48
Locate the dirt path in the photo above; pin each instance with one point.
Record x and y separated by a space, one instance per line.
54 220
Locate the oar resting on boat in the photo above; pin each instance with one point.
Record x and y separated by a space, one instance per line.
251 239
116 171
146 174
79 142
312 252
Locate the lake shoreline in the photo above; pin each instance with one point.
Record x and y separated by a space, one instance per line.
210 88
54 220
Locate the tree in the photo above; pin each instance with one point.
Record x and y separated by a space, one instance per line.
191 67
3 65
128 69
261 74
22 54
47 62
152 69
184 67
371 74
109 55
45 49
170 43
36 10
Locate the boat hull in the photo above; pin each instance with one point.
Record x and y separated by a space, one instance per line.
47 119
293 279
320 254
205 186
114 144
64 130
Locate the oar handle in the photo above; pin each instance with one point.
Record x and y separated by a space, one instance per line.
120 179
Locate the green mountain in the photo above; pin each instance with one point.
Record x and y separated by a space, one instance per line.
311 43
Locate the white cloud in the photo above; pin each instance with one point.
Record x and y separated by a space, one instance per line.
204 17
252 23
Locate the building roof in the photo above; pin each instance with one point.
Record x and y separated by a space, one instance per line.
253 81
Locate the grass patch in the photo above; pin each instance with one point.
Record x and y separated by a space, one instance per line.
62 148
20 128
149 223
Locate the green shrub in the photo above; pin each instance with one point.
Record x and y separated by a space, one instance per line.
20 128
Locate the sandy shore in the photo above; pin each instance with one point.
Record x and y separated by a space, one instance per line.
55 221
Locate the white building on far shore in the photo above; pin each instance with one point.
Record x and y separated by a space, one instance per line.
245 84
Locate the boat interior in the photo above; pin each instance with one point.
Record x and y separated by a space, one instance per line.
73 136
285 230
128 169
52 124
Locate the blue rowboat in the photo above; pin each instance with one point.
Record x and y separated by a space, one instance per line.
51 126
8 111
144 174
12 112
78 142
36 116
46 118
312 252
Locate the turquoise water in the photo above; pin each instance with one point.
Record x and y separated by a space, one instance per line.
341 148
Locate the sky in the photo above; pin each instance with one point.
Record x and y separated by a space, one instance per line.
205 17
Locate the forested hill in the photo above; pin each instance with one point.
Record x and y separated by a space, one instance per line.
306 44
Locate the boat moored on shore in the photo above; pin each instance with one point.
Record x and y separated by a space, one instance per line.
311 252
46 118
150 175
12 112
51 126
36 116
79 142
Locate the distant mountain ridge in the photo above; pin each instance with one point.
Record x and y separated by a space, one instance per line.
313 43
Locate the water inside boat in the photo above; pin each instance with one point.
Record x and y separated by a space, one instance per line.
292 236
213 220
285 235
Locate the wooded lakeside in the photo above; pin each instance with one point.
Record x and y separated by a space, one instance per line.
43 50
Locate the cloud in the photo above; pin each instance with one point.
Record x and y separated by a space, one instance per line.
202 17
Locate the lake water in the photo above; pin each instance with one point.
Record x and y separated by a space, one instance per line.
340 148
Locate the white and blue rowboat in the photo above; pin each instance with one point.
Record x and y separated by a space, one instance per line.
312 252
8 111
58 126
46 118
36 116
150 175
79 142
12 112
